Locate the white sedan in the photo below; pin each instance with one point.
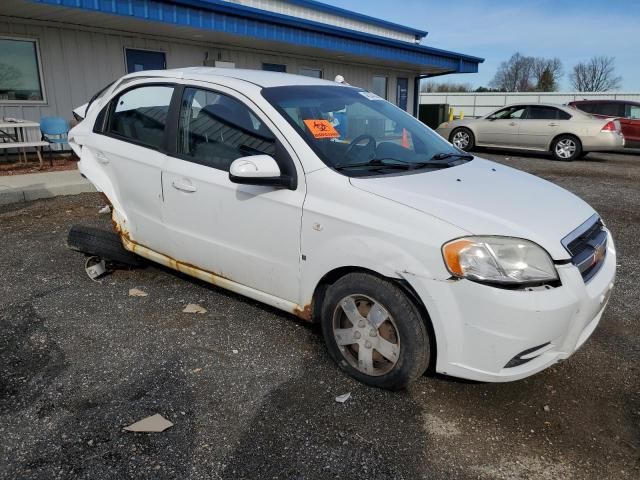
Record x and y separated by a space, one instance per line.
326 201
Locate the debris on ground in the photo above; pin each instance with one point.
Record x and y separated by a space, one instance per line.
343 398
194 308
196 370
95 267
546 408
234 351
105 209
136 292
154 423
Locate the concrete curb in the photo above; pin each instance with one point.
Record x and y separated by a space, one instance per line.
34 186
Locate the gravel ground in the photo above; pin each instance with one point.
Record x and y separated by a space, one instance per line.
251 389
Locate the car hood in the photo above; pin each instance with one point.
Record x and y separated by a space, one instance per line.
487 198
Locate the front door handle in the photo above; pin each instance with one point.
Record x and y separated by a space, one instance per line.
513 124
185 187
553 124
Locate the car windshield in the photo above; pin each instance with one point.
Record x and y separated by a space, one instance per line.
359 133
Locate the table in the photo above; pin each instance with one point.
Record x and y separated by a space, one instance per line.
17 139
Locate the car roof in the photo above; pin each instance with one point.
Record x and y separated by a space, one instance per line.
260 78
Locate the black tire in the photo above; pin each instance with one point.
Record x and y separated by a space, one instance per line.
467 140
101 243
410 340
572 151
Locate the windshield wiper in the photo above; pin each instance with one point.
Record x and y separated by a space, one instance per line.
376 163
446 155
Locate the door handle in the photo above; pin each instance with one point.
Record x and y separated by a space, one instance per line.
553 124
102 158
513 124
183 187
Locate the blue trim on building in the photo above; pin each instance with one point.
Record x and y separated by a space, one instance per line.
234 19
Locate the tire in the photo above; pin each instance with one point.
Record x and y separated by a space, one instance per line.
101 243
400 332
463 138
566 148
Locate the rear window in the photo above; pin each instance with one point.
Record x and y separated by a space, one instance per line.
140 115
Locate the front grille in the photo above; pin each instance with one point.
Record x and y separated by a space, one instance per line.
587 246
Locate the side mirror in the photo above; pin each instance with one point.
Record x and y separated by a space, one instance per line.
258 170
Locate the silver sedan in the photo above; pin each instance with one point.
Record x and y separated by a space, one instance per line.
565 132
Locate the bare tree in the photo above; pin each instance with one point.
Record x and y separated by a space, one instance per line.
596 75
514 75
436 87
9 75
546 73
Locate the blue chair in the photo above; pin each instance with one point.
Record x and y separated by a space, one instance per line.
55 130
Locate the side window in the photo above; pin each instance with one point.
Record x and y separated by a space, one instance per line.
508 113
140 115
632 111
562 115
537 112
216 129
611 109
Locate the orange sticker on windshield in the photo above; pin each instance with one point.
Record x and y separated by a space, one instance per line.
321 129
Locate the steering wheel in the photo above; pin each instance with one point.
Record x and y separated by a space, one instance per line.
358 139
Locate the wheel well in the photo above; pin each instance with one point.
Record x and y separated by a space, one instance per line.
334 275
553 140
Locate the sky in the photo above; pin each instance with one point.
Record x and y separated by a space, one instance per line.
572 30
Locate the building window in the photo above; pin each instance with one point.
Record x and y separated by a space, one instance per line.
311 72
139 60
379 86
20 71
274 67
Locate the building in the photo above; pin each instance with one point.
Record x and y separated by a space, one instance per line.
55 54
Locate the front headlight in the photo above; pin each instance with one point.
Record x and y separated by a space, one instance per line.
503 260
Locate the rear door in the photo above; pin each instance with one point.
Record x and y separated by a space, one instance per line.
501 127
247 233
129 149
540 125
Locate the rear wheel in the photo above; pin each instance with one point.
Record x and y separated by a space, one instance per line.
101 243
566 148
463 138
374 331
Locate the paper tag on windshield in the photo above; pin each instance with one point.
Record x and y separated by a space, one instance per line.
369 95
321 129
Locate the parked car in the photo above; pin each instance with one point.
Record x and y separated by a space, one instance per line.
326 201
565 132
626 111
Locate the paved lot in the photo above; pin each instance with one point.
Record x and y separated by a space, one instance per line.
80 360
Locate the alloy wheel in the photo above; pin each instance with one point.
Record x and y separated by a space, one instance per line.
566 148
461 139
366 335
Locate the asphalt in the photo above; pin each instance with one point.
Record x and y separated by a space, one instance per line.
80 360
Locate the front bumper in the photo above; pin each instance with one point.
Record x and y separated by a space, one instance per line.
479 329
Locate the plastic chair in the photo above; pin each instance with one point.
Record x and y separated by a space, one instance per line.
55 130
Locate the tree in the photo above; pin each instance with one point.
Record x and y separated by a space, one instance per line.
9 76
595 75
435 87
514 75
546 72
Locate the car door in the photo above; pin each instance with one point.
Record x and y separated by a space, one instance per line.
540 125
129 147
630 125
501 127
246 233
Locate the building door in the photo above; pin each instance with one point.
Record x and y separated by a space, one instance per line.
402 93
139 60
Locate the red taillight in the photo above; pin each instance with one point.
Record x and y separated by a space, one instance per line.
609 127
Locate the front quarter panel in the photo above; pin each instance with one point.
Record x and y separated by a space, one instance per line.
343 226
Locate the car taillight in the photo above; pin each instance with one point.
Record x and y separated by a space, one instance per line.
609 127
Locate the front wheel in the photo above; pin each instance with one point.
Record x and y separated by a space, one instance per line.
463 139
374 331
566 148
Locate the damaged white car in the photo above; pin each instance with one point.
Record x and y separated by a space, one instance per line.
328 202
